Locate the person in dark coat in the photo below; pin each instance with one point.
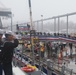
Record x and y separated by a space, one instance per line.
1 44
10 43
49 47
71 51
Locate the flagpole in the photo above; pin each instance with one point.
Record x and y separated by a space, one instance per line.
31 25
31 29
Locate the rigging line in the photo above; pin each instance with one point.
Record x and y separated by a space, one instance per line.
2 4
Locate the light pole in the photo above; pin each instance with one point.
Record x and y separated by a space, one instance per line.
58 24
37 26
42 22
54 25
67 25
10 16
11 21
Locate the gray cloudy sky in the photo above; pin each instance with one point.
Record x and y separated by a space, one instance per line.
47 8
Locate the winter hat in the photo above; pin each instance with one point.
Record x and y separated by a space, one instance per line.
8 33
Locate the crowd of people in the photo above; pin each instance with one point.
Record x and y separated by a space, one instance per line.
7 45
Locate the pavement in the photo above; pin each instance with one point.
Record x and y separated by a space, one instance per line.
17 71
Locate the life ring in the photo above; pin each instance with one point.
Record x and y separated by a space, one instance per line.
26 69
23 68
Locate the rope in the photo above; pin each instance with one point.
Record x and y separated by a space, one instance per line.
2 4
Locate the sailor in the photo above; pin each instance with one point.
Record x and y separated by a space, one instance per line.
1 45
10 43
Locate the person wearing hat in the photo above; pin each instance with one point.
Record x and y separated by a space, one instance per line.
10 43
1 44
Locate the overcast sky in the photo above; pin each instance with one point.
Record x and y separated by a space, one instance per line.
47 8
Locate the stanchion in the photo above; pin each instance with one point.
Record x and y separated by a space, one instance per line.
75 54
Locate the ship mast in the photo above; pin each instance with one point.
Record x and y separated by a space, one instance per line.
31 22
